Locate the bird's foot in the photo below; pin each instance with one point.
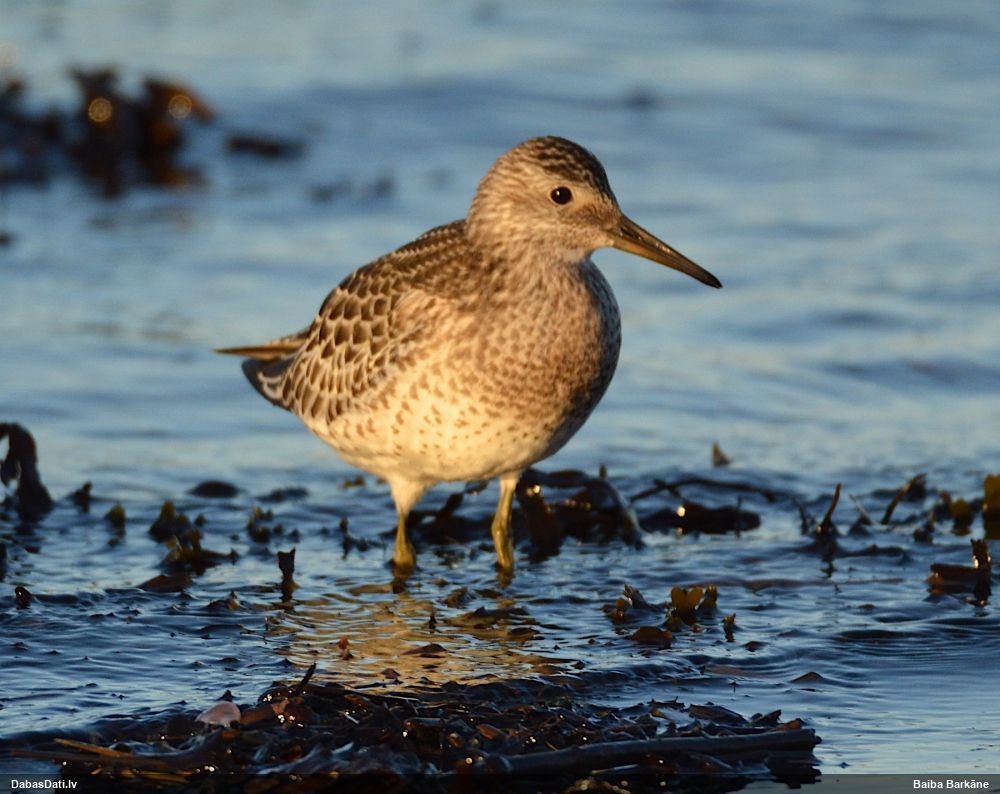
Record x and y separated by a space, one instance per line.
404 558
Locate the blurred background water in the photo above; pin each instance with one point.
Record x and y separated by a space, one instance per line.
836 165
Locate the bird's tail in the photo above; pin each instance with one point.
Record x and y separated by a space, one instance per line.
265 365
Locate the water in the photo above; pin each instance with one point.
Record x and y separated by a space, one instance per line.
835 165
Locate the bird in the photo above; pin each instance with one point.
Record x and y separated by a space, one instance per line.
477 349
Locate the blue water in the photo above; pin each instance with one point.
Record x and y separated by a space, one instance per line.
836 165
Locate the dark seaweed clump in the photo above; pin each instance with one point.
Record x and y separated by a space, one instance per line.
31 500
114 139
509 736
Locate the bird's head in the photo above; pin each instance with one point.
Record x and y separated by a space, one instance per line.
548 199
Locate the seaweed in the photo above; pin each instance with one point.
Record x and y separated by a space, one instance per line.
950 578
691 516
511 734
182 538
286 564
913 489
31 499
686 604
991 506
117 139
501 735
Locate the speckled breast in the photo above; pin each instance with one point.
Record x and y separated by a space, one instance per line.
493 388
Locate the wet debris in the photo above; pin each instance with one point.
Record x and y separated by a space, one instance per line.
826 538
215 489
116 516
168 582
682 611
729 627
258 530
506 623
27 136
169 524
460 737
267 146
116 520
688 604
963 512
706 483
115 138
691 516
959 510
31 500
286 564
327 730
261 532
553 506
431 650
652 635
991 506
185 553
348 541
685 600
630 604
913 490
443 525
223 714
719 458
284 495
949 578
182 537
231 603
22 597
81 497
831 544
694 517
824 534
564 504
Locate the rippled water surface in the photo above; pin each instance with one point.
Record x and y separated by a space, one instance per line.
834 164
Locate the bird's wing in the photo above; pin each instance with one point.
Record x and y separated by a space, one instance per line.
359 334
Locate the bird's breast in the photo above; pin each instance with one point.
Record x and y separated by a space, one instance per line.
495 386
546 351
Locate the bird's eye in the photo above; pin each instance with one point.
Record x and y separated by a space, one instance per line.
561 195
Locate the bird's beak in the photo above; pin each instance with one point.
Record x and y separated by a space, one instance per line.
630 236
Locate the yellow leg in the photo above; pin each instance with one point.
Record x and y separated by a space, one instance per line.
405 493
404 559
503 540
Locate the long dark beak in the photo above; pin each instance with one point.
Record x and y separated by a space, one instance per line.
631 237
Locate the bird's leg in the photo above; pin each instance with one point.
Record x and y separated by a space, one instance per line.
405 493
404 559
502 538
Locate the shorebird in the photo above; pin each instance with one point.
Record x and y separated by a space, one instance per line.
476 350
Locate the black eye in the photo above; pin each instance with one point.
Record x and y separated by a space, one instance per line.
561 195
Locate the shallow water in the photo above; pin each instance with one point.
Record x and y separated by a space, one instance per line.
836 167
